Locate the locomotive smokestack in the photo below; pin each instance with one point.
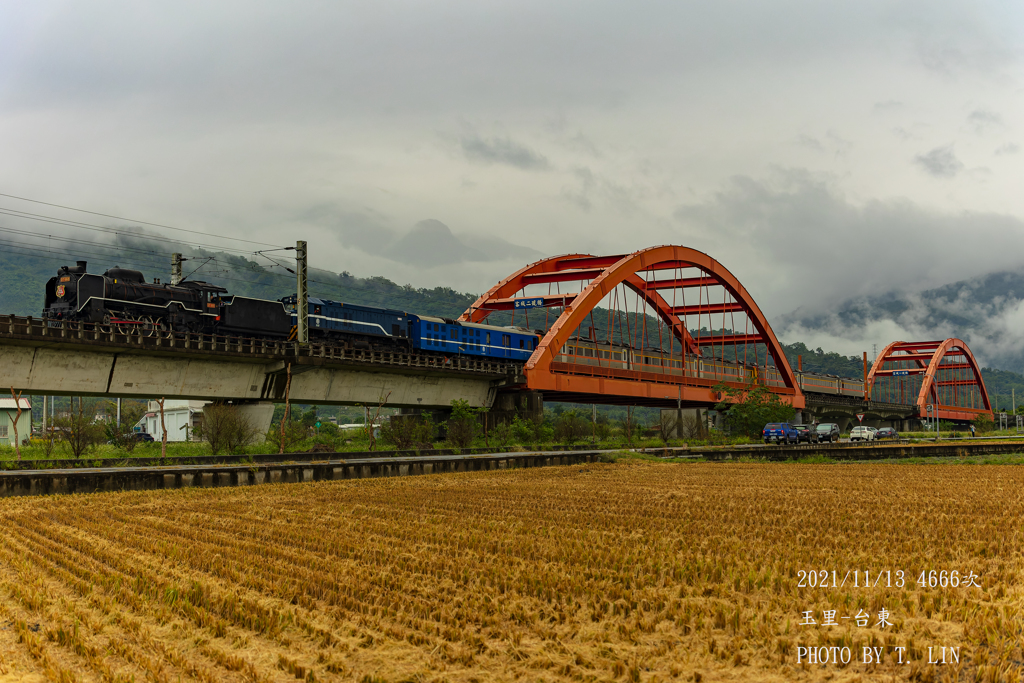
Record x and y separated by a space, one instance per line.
81 266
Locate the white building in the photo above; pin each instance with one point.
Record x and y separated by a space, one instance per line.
181 417
8 414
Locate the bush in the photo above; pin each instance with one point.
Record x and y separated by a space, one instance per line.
405 432
530 432
983 424
225 428
122 436
76 430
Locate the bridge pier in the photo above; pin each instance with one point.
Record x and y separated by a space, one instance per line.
258 413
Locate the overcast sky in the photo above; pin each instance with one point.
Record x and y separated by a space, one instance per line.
819 150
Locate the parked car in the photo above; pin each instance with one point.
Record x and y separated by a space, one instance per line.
862 433
143 437
805 433
780 432
887 433
828 431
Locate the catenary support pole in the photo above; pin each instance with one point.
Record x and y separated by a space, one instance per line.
865 375
302 300
175 268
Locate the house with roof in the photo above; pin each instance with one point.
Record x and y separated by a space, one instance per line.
8 414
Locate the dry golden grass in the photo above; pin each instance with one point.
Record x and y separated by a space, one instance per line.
628 572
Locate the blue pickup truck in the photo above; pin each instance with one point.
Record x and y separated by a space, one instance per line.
780 432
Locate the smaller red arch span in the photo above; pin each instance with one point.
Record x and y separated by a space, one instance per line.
946 371
601 275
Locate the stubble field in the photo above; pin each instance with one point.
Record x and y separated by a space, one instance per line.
627 572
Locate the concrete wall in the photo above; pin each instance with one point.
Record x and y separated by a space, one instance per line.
92 480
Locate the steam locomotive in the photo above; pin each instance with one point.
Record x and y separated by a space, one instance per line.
122 299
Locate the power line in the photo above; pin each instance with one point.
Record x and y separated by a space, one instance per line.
110 231
132 220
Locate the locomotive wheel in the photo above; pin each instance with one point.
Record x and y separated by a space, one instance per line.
148 327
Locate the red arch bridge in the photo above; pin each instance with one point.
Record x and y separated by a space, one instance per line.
668 326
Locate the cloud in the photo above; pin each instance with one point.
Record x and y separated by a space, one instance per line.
888 105
1008 148
796 241
502 151
981 119
987 312
940 162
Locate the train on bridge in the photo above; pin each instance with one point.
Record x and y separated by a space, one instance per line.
122 299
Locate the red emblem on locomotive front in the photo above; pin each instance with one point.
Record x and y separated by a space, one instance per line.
60 290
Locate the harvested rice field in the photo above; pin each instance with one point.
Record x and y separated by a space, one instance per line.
612 572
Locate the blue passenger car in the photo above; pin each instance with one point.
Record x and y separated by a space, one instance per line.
472 339
425 333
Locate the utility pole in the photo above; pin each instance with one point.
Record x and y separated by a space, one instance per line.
118 412
45 399
176 268
865 375
302 302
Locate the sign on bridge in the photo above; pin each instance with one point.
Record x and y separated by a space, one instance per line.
900 373
536 302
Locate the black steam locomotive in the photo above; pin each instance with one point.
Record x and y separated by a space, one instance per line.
121 298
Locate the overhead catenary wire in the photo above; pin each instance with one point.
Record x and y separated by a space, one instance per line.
113 231
133 220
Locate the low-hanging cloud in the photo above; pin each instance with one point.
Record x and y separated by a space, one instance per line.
796 241
940 162
500 150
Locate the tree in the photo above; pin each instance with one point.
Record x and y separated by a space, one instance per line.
287 436
670 424
77 431
747 411
225 428
371 424
408 431
463 426
630 426
17 419
163 429
571 427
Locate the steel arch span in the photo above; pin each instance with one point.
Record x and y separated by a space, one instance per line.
685 300
943 374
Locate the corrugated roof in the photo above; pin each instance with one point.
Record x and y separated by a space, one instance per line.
8 404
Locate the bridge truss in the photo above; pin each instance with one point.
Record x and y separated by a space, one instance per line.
653 327
943 374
